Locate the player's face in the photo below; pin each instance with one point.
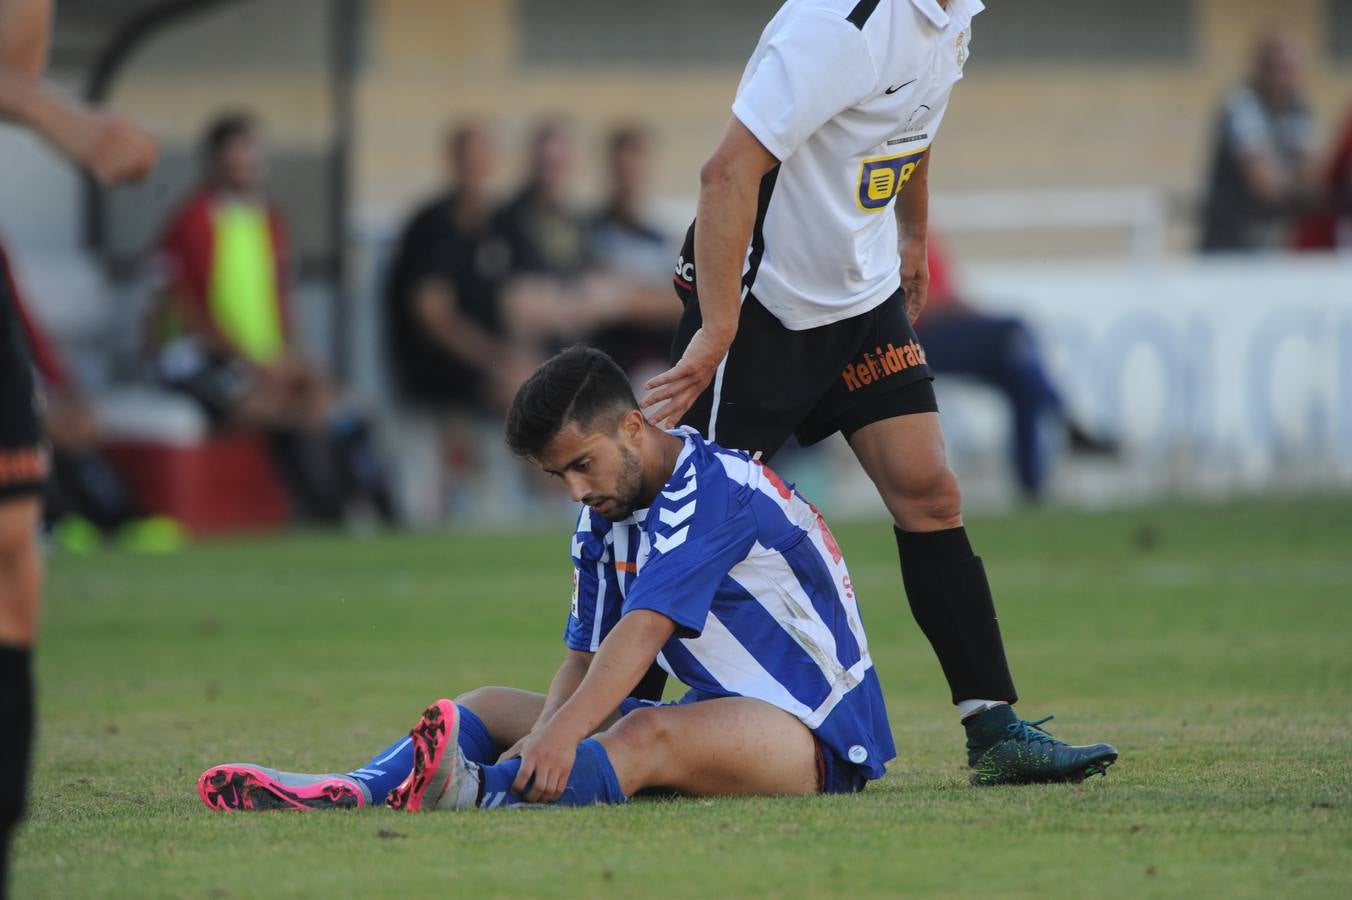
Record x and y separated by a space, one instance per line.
602 469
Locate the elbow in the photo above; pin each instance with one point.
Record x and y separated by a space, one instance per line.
715 173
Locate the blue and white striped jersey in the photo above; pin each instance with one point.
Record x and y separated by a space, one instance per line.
757 587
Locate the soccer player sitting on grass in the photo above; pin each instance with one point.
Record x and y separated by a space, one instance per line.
684 552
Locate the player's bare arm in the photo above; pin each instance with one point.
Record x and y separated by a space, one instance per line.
112 147
725 217
561 688
912 211
624 656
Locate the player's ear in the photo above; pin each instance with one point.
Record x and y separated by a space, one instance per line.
631 425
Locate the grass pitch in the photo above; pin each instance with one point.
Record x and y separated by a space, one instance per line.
1213 646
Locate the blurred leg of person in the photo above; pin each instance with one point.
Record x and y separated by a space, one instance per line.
1001 353
23 471
231 396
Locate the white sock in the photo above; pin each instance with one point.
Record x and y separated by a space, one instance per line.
969 708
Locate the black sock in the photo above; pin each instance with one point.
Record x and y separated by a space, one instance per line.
16 714
951 601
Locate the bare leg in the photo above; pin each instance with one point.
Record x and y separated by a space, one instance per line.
725 747
509 714
905 459
945 580
20 571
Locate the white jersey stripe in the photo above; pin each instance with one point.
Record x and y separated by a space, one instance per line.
768 578
854 675
736 669
599 616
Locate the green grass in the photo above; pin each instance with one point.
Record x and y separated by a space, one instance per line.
1212 645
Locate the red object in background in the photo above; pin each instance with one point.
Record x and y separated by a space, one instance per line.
222 485
1319 230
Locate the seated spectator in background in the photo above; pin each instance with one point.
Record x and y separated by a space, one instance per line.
1263 171
622 242
235 350
1330 226
87 501
447 338
560 291
543 233
1000 351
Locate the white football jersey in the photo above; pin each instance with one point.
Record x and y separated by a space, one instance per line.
848 95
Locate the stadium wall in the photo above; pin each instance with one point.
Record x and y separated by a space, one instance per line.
1221 378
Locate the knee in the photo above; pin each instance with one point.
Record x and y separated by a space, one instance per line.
643 731
477 700
926 499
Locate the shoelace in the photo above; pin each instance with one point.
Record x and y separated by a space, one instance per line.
1026 731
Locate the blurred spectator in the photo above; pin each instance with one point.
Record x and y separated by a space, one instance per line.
87 501
544 234
624 243
1000 351
232 347
1330 226
620 237
1263 170
577 279
441 301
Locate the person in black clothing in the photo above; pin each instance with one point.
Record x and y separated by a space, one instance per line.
114 150
544 235
445 327
624 243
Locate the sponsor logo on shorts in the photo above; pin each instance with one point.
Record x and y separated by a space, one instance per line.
22 466
883 363
685 272
882 178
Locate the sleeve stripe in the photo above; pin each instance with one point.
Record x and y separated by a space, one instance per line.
599 611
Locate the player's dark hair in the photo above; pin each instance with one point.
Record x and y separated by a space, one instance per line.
581 385
223 130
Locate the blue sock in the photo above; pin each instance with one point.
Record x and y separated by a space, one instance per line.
475 743
592 780
388 768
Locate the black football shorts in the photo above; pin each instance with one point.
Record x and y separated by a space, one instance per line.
777 383
23 455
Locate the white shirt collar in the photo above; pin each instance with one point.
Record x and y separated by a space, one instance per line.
939 16
933 11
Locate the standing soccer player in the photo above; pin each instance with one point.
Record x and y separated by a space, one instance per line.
113 149
801 321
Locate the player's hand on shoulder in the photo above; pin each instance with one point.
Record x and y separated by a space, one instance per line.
671 394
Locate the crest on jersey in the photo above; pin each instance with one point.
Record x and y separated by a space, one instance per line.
961 45
882 178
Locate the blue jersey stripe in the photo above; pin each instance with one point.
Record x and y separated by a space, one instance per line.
782 656
817 582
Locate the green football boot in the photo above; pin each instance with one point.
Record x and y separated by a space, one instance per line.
1004 749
